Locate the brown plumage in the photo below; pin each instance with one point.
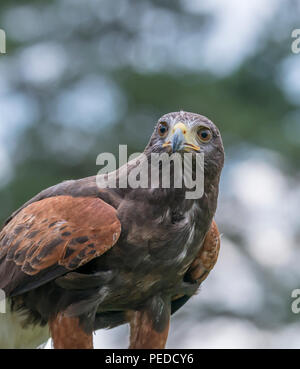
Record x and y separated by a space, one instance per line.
82 258
207 256
59 231
142 333
67 333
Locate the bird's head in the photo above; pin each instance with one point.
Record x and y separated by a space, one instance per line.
188 132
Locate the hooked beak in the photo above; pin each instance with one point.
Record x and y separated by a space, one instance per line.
180 139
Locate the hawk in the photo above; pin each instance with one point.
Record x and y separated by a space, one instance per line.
78 257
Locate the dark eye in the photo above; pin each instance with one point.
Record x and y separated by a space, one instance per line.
163 129
204 134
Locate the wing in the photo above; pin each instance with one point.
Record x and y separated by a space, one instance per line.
207 256
52 236
202 265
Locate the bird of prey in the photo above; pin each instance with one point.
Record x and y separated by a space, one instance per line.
77 258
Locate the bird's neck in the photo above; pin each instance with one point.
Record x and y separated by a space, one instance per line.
139 179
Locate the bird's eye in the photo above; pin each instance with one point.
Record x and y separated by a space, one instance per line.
163 129
204 134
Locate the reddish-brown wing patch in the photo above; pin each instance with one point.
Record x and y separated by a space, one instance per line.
207 256
59 230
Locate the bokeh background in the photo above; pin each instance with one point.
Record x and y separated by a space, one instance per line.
81 77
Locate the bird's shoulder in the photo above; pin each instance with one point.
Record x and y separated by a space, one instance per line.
60 229
84 187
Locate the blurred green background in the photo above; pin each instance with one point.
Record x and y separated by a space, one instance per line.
81 77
